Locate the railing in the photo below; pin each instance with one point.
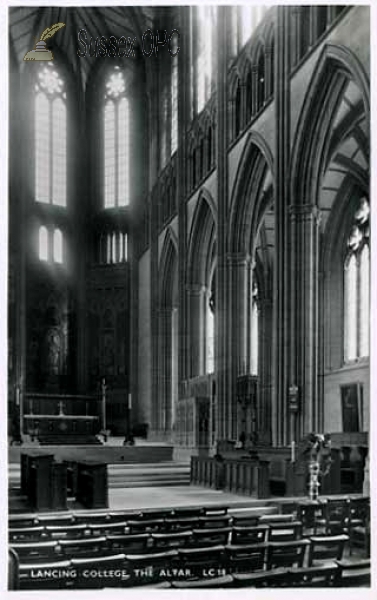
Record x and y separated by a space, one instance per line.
240 476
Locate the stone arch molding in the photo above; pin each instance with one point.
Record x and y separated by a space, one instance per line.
202 239
249 200
335 67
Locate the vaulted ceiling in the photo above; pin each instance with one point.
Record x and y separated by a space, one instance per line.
27 23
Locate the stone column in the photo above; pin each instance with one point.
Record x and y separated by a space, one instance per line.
183 169
254 89
264 370
164 370
153 241
281 280
224 420
239 278
196 307
239 329
268 71
306 250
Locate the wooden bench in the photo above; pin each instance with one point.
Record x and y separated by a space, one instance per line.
286 554
246 557
211 537
128 543
101 571
249 535
47 575
326 548
354 573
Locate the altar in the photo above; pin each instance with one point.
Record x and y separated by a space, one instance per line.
69 424
50 417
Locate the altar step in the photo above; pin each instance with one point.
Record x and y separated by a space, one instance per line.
152 475
68 440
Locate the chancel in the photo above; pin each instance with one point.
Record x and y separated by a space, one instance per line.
189 281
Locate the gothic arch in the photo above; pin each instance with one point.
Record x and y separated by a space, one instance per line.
336 67
168 269
249 197
202 239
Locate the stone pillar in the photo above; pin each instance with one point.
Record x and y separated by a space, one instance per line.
295 40
268 72
224 421
183 170
153 241
196 307
239 278
164 370
264 370
239 329
331 13
281 280
305 283
254 89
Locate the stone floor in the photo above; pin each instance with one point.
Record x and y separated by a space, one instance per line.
160 497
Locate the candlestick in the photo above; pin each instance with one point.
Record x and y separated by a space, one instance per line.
129 401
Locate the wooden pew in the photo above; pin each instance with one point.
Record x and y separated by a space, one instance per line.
171 540
284 532
151 567
249 535
354 573
27 534
286 554
36 551
128 543
246 557
47 575
87 547
101 571
211 537
326 548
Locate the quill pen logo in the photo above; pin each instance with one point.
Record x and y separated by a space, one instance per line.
41 52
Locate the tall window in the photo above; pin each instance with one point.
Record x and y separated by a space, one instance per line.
115 249
356 288
116 142
43 243
50 245
174 104
58 246
50 125
205 23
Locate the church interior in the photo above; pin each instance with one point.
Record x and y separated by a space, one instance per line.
188 296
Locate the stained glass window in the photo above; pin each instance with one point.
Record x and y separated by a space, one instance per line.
50 134
116 142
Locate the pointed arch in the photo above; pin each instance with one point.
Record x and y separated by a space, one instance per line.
336 66
202 239
168 269
249 197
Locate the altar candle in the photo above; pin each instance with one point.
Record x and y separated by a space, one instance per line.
293 444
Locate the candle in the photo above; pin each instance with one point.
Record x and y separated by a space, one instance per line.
129 401
293 445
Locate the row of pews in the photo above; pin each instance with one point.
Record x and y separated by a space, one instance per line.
190 547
